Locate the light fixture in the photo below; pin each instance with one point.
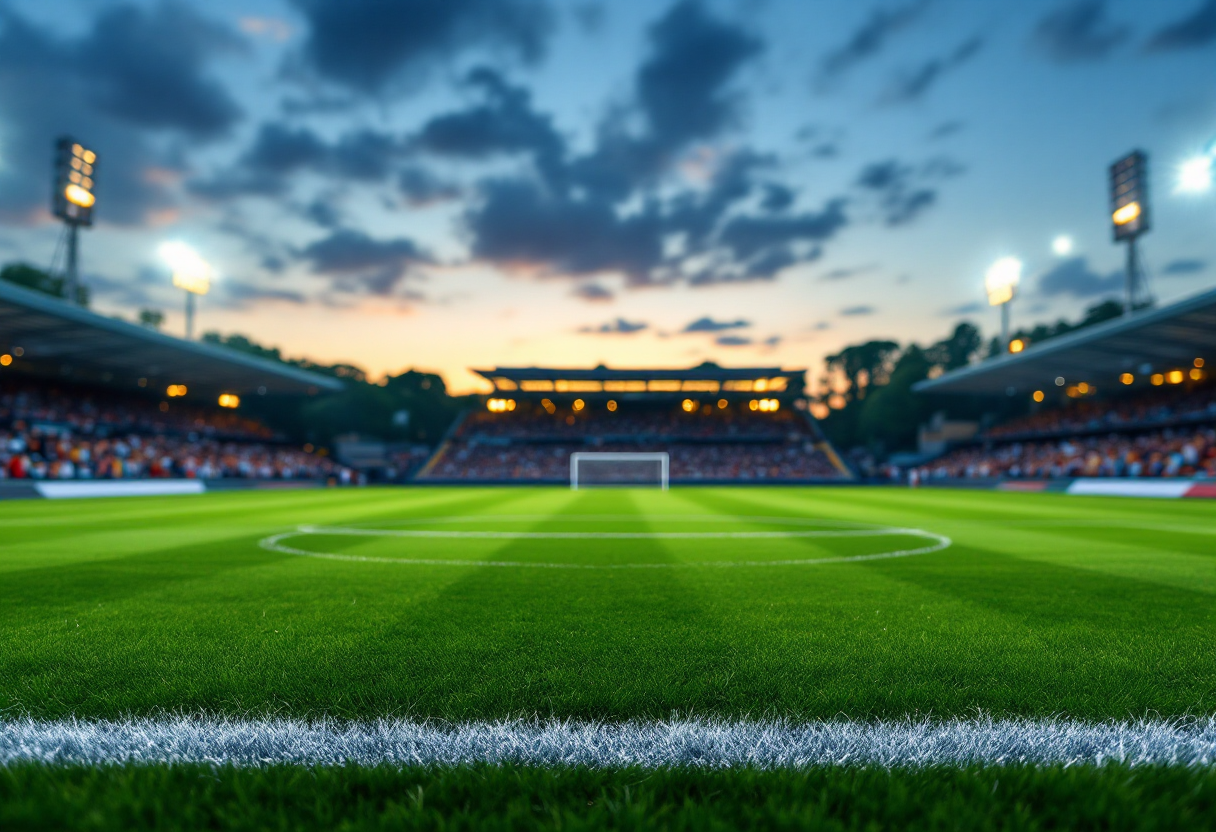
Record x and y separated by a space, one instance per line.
1062 245
1195 175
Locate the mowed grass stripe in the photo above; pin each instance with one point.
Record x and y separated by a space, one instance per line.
212 623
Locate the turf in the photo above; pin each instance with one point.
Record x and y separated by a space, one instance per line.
1044 605
492 797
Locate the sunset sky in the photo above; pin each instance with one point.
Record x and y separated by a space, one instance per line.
441 184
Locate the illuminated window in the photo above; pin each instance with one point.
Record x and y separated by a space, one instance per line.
612 405
1174 377
1127 378
578 405
1157 379
723 404
624 387
700 387
505 384
542 386
738 386
566 386
500 405
1038 396
663 386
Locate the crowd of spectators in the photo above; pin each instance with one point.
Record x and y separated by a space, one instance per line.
1159 406
61 434
705 442
1166 453
688 462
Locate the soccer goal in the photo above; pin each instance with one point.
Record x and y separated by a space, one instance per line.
589 469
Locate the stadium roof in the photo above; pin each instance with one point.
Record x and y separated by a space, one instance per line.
59 339
705 378
1147 342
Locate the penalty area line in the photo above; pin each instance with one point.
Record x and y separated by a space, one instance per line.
699 743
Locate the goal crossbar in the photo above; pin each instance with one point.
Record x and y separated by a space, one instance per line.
580 458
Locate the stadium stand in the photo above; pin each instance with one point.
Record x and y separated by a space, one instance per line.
85 397
1131 398
717 425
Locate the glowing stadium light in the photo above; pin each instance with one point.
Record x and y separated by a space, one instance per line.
1017 345
1002 280
1127 214
190 272
612 405
1038 396
1157 379
1196 374
1199 362
175 390
1174 377
5 360
500 405
230 401
1127 378
72 200
578 405
1062 246
1195 175
723 404
689 405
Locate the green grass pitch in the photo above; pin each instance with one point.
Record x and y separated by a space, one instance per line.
468 604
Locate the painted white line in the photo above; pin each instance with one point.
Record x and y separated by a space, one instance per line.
701 743
275 543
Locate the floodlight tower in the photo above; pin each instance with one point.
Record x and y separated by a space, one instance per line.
1130 216
191 273
1001 283
72 201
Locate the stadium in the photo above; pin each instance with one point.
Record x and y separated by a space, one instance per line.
438 545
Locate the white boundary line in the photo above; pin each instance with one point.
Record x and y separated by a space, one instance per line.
274 543
699 743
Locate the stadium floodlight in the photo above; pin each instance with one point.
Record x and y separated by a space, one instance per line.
1001 283
592 468
191 273
1062 246
72 200
1129 215
1195 175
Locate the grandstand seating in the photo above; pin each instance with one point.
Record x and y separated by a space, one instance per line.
50 430
1163 432
707 444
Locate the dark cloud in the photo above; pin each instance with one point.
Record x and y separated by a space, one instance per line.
708 324
1185 266
846 273
240 295
772 341
505 123
681 86
618 327
1073 277
323 212
777 197
520 224
913 85
134 69
1078 31
733 341
278 153
750 237
857 311
367 45
870 39
901 198
421 187
1192 32
147 66
360 264
593 293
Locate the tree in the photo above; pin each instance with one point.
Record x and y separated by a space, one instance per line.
892 414
863 366
151 318
31 277
958 350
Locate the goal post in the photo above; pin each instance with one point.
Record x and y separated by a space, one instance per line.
590 468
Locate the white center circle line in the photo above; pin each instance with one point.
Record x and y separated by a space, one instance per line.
276 543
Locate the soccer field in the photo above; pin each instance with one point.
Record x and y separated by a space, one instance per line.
722 607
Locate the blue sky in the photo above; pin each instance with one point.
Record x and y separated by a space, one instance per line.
451 183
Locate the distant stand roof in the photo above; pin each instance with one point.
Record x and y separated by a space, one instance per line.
65 341
702 373
1146 342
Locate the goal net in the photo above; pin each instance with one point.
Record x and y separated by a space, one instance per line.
589 469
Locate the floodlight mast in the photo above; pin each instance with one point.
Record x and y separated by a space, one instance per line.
72 200
1001 283
191 273
1130 218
